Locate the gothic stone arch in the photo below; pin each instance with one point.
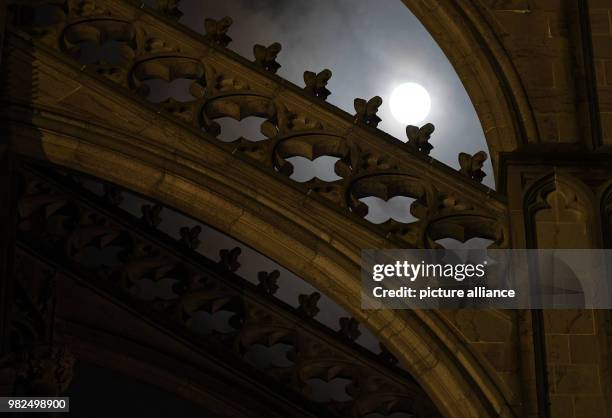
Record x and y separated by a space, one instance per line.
88 119
464 32
151 154
442 364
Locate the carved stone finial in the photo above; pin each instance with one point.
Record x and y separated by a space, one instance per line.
386 356
308 304
169 8
46 371
366 111
316 83
216 30
189 237
189 283
112 195
349 328
265 56
86 8
418 138
229 259
471 165
150 215
268 282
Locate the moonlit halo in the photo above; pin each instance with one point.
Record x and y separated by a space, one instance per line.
410 103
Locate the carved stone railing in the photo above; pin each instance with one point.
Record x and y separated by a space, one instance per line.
39 366
66 222
295 122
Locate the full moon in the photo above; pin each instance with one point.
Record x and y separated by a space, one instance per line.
410 103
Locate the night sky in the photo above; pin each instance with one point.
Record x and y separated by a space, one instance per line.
370 50
371 47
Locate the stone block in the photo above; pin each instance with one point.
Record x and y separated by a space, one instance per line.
600 21
525 30
540 74
482 326
574 321
602 46
590 406
554 234
575 379
558 349
548 127
500 355
606 125
516 6
604 94
561 406
599 4
601 72
584 349
567 128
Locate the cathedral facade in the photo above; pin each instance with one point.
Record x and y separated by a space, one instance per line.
81 139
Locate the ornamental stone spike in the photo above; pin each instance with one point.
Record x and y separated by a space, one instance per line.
316 83
268 282
471 165
366 111
418 138
265 56
169 8
216 30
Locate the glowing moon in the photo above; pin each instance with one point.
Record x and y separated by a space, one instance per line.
410 103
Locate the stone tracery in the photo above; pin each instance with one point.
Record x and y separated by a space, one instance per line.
219 90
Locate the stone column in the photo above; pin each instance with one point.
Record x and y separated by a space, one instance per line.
559 200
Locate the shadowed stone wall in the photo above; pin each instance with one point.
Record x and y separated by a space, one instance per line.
539 73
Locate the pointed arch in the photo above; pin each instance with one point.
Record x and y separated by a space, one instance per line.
491 80
457 382
564 203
